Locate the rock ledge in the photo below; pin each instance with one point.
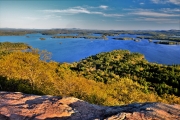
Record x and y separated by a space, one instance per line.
19 106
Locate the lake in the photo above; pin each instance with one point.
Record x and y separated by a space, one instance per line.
75 49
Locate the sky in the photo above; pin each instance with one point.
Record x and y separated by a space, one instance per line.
91 14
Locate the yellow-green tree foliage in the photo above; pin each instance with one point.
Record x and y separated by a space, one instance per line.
34 74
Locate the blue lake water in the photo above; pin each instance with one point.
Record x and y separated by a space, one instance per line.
73 50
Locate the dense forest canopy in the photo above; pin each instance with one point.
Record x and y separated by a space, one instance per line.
109 78
13 46
162 33
111 66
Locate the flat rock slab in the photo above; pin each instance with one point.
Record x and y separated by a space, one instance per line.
19 106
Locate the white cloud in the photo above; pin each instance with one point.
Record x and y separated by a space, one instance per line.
103 6
80 10
161 16
153 14
75 10
156 1
157 20
112 15
169 10
137 9
141 3
177 2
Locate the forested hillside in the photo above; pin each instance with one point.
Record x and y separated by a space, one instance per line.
7 46
111 66
113 78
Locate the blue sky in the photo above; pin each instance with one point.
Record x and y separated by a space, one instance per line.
91 14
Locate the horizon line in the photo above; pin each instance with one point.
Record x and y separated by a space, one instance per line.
83 29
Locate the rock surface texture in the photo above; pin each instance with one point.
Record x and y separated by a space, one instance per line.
19 106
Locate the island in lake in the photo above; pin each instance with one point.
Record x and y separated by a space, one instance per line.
168 37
